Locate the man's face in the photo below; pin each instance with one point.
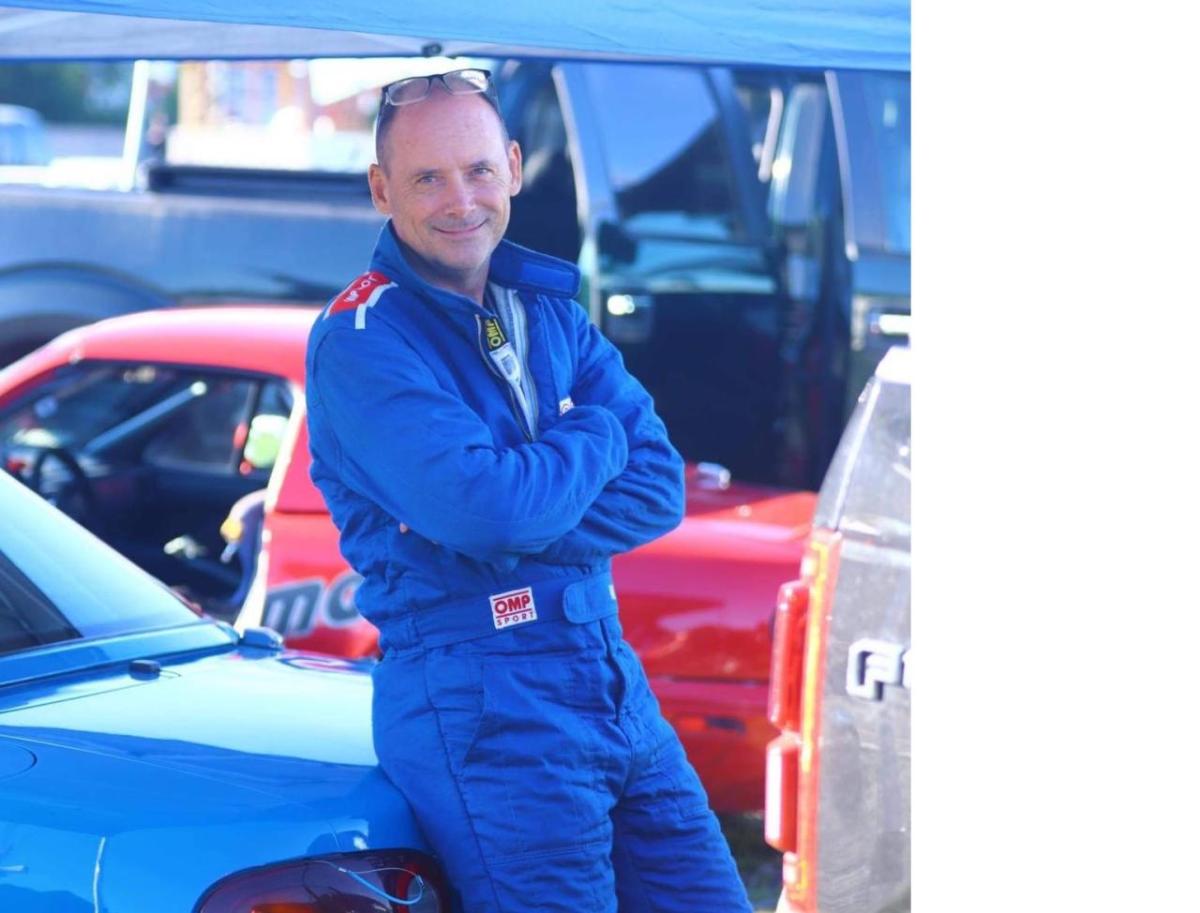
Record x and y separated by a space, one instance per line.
446 178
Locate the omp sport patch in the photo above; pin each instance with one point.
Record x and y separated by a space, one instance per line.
513 608
360 294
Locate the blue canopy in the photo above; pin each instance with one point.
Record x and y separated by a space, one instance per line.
817 34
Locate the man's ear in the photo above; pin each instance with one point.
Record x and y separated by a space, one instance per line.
378 183
514 168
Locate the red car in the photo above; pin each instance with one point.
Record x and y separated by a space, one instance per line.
149 428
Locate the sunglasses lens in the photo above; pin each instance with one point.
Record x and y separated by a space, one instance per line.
460 82
406 91
466 82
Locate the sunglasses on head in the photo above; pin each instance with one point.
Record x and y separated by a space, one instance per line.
457 82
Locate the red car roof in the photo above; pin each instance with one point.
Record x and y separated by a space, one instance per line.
267 339
264 338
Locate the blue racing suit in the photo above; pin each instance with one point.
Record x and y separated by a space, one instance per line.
482 473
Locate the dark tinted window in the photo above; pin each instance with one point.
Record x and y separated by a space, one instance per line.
104 594
544 213
876 116
665 152
27 618
175 418
265 431
81 402
761 94
203 433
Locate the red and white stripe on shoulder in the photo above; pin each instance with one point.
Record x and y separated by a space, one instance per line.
359 295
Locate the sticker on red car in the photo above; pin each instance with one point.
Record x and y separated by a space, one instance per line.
296 609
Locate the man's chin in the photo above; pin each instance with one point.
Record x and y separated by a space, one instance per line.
449 264
464 256
453 272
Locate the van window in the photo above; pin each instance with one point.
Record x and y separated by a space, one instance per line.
665 152
876 119
544 214
761 94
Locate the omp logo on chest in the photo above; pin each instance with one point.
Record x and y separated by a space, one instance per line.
495 335
513 608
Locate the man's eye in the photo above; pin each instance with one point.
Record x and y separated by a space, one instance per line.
427 179
482 169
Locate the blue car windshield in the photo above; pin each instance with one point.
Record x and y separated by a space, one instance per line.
58 582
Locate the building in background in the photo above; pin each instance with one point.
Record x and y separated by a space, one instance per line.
262 114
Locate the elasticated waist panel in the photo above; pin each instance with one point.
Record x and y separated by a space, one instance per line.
577 600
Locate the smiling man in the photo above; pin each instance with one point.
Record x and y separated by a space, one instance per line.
484 454
446 178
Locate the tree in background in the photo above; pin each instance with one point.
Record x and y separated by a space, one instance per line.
89 93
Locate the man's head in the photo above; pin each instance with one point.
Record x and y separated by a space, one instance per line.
446 172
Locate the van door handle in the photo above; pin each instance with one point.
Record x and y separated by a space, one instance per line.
870 316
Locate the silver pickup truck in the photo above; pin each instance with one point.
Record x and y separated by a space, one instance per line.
838 775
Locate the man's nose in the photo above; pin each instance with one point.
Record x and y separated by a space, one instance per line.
459 196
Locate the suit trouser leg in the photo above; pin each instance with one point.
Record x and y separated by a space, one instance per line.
668 850
550 781
510 766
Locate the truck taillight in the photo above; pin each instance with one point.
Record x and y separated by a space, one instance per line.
783 710
797 676
386 880
783 770
787 654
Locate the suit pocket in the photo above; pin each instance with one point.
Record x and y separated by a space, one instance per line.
544 758
457 695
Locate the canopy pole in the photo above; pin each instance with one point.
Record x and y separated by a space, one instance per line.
135 124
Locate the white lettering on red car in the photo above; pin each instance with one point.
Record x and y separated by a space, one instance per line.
297 608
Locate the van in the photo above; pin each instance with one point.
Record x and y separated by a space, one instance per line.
743 235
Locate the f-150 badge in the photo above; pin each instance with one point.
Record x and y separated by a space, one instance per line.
873 664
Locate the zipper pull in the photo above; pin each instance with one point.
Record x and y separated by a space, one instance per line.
501 351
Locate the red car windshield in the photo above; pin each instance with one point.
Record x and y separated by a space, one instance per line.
81 402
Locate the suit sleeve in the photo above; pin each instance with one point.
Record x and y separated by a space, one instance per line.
646 499
425 457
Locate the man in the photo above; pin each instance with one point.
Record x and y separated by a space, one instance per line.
484 453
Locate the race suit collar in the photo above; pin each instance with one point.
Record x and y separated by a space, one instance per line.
512 266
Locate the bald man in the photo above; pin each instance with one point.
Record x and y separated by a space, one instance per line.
484 454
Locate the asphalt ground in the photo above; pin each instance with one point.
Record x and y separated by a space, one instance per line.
758 864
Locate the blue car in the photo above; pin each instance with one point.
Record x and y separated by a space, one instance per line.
153 760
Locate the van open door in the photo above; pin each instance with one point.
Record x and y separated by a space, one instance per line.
872 116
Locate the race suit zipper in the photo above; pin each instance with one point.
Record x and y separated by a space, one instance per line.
496 332
520 307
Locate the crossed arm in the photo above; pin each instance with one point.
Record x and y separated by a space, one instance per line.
438 469
602 480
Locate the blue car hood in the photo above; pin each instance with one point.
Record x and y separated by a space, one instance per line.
220 763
